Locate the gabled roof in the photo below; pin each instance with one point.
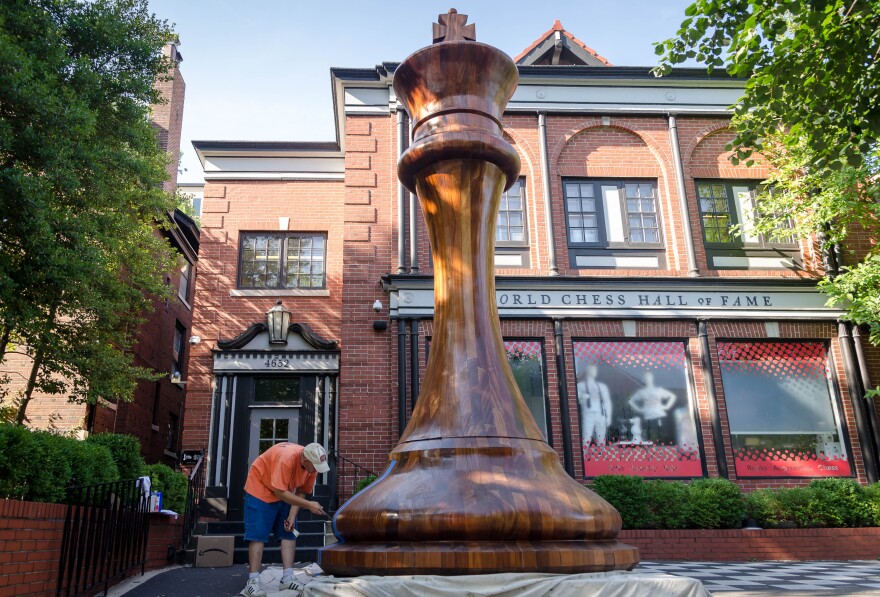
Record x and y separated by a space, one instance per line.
559 47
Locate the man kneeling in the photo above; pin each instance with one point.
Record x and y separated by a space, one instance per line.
277 485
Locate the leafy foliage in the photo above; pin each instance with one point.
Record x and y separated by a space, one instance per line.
363 482
714 504
172 484
125 451
810 108
80 190
668 504
629 495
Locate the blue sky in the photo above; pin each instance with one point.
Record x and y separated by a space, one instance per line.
260 70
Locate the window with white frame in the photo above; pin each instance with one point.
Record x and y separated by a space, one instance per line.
608 217
282 260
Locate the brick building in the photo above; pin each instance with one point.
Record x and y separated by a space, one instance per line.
646 337
155 411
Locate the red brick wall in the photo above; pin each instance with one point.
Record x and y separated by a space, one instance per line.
739 545
30 546
230 207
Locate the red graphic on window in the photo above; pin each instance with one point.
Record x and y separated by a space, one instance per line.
765 462
646 355
783 424
523 348
641 459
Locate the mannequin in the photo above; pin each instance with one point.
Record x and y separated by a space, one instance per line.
652 403
594 402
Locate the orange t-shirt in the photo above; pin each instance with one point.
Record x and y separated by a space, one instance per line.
279 467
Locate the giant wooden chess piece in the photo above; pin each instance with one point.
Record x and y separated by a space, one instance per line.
472 487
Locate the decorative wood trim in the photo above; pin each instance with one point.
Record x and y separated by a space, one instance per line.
314 340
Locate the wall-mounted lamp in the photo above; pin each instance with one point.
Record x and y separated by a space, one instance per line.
377 306
278 320
195 340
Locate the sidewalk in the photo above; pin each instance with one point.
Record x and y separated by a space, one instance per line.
725 579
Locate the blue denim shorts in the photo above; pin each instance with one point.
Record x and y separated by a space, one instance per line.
262 518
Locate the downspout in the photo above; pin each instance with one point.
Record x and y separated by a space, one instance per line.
414 361
401 377
682 198
856 396
548 204
413 228
567 459
870 407
712 399
401 195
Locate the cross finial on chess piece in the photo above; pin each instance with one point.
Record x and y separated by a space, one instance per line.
452 28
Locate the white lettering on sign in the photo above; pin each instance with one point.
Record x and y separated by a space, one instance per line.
642 299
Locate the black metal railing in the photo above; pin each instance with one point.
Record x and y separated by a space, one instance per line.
344 476
105 535
194 494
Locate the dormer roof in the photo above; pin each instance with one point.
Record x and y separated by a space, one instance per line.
559 47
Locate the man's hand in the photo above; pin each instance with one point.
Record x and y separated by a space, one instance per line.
290 523
316 509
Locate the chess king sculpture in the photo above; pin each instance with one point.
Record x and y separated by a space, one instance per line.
472 487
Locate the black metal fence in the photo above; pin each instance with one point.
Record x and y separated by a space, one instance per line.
194 494
344 475
105 536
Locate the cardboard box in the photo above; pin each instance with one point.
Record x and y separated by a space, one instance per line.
214 551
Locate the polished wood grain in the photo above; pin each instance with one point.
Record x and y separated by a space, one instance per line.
472 486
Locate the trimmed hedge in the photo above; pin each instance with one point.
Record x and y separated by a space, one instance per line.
126 452
657 504
38 466
822 503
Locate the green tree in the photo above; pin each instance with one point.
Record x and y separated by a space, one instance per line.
80 191
810 108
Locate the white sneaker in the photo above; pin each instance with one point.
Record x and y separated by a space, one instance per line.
253 589
291 585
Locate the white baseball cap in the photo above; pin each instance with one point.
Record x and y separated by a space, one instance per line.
317 455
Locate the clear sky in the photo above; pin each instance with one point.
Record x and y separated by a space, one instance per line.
260 70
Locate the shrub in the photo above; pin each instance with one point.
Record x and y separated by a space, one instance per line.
363 482
629 495
668 504
839 502
91 463
51 475
781 507
172 484
715 504
126 452
872 501
15 460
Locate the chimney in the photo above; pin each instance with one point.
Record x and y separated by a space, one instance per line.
168 116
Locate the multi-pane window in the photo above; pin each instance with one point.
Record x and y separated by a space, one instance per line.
612 214
273 431
511 226
724 205
274 260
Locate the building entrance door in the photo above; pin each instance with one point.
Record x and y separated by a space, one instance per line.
270 410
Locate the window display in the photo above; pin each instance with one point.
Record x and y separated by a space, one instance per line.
526 358
635 409
783 420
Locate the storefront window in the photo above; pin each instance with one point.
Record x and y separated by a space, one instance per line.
783 422
635 409
526 359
